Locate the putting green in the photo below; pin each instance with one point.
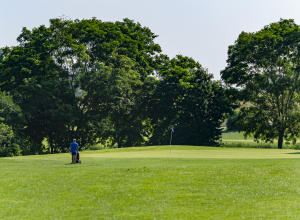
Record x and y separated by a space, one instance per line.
178 152
196 152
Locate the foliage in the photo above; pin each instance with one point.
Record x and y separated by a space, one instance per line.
9 117
97 81
73 78
8 145
266 65
231 120
187 98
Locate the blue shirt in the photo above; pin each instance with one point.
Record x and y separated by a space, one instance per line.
74 147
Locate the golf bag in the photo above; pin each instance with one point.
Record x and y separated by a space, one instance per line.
78 158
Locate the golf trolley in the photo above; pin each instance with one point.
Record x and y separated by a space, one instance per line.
78 158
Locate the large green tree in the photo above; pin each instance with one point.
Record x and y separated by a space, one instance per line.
125 115
266 65
30 75
187 98
69 80
110 68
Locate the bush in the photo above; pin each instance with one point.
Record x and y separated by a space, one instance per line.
8 145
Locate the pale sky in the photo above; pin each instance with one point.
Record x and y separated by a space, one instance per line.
199 29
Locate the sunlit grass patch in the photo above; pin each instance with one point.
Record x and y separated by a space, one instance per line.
233 138
189 182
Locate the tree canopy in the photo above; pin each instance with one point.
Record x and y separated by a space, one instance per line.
94 81
187 98
266 65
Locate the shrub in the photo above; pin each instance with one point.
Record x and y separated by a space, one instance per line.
8 144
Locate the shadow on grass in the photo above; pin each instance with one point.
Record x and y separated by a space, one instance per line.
294 153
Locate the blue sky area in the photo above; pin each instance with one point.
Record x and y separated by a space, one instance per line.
199 29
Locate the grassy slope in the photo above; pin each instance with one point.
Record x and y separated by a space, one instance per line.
151 183
233 136
230 135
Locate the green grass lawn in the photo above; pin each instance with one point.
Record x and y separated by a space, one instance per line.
232 137
152 183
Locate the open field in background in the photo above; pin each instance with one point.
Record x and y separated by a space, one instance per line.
151 183
233 135
232 138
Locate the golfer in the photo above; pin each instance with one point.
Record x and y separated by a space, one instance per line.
73 149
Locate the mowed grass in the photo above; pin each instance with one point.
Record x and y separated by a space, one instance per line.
233 135
233 138
153 183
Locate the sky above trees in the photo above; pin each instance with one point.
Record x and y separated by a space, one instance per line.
202 30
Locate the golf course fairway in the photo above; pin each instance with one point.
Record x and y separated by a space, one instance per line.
186 182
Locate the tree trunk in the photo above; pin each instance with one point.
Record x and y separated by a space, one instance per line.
280 139
51 147
119 141
51 143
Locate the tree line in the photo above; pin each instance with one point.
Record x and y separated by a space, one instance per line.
98 81
110 82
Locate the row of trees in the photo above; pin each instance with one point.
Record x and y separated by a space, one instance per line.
98 81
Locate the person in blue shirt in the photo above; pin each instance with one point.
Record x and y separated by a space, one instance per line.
74 149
